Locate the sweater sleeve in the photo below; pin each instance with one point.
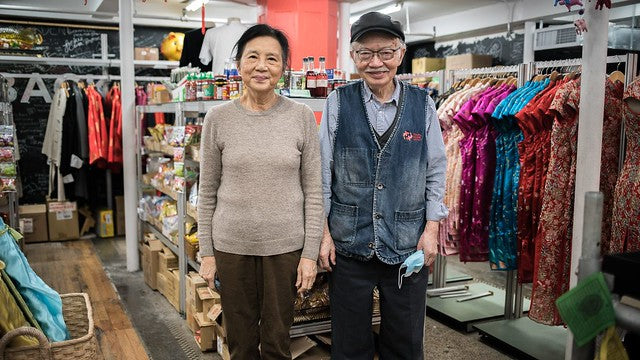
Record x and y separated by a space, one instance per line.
311 180
210 173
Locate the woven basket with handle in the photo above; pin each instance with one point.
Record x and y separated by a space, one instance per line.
78 316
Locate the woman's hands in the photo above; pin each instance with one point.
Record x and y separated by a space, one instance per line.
208 270
307 270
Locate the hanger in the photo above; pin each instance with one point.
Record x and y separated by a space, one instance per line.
65 87
617 75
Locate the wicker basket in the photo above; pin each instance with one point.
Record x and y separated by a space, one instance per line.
78 317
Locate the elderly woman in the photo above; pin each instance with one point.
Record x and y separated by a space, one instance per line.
260 212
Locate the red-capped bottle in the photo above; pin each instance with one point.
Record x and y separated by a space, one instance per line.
311 76
322 80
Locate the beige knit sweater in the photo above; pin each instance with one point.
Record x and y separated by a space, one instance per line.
260 188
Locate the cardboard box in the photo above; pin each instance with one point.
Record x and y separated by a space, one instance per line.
33 223
315 353
191 319
161 282
105 227
194 282
167 261
173 289
150 262
425 64
206 299
62 217
206 335
146 53
468 61
300 345
120 229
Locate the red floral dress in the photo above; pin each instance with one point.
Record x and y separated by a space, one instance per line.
625 229
552 261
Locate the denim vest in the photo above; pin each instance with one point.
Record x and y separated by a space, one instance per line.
378 194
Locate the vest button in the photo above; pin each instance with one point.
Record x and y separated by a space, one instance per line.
377 216
370 245
380 186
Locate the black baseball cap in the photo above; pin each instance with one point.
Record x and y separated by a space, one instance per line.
375 21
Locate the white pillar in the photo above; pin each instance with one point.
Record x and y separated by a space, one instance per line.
528 55
127 84
594 67
344 35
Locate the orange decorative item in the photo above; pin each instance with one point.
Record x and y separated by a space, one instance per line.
171 46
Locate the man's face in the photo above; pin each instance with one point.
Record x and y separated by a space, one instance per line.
377 57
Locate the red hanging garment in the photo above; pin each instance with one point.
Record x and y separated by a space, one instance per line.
97 127
114 153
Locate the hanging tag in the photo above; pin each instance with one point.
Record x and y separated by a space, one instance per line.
76 162
203 27
67 179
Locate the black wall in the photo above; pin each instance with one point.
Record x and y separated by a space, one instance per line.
505 51
31 118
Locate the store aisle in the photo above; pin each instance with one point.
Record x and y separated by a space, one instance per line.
73 266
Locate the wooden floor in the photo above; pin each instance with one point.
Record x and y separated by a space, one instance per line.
73 266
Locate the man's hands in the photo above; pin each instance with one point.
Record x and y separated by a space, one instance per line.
327 250
307 271
429 242
208 270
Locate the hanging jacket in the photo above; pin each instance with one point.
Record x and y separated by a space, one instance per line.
114 153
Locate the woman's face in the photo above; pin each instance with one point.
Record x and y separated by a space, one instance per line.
261 64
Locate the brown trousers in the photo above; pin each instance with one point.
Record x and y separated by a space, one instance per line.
257 294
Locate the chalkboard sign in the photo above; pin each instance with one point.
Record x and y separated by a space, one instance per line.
505 51
31 118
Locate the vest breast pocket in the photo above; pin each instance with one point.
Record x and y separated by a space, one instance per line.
409 226
342 223
358 166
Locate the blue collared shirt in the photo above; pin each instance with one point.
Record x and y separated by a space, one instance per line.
381 116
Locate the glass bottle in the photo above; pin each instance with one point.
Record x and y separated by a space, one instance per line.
311 76
199 93
322 80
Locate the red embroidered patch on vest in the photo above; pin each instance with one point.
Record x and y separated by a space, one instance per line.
409 136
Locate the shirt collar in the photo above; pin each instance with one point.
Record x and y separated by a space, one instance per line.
395 97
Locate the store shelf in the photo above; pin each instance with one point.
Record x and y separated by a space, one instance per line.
192 211
193 264
203 106
158 108
173 247
319 327
12 59
154 64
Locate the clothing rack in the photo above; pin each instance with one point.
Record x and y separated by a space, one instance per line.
492 307
514 331
455 75
440 74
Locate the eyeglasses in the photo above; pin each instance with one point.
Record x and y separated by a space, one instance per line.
383 54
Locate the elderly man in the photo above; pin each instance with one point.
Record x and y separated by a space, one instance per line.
383 165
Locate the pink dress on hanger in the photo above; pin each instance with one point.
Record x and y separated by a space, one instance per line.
625 229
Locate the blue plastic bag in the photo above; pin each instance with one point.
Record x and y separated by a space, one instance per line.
43 301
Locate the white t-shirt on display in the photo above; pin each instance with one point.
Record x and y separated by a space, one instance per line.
218 44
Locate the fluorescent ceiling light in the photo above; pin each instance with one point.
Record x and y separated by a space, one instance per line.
196 4
389 9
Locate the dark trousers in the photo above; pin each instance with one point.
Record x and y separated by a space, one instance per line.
257 294
402 310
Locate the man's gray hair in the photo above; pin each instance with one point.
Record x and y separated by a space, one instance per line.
356 44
